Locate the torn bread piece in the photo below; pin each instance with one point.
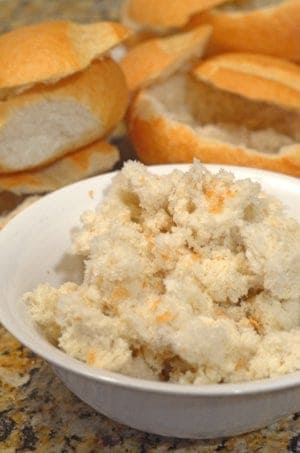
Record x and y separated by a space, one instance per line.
93 159
158 58
223 112
270 27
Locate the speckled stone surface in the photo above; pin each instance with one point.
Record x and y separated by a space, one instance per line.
15 13
37 413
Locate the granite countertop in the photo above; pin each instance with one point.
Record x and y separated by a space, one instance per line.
37 412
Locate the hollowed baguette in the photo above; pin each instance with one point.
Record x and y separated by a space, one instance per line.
248 117
48 121
93 159
270 27
158 58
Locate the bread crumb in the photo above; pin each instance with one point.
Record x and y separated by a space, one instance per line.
190 277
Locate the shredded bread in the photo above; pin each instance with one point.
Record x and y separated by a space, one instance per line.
189 278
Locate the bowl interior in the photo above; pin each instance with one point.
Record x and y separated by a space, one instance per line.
36 248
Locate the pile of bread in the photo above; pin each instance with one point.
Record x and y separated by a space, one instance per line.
213 79
239 105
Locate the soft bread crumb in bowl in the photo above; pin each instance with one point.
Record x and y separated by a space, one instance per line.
189 278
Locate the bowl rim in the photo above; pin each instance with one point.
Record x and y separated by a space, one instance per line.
60 359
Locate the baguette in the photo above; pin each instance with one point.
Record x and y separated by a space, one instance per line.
270 27
58 91
234 109
93 159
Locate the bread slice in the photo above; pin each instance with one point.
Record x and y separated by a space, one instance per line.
48 121
248 116
269 27
158 58
162 15
51 51
93 159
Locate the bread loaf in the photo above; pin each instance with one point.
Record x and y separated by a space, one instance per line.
270 27
233 109
58 92
46 122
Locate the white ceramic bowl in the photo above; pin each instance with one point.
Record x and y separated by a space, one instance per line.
34 249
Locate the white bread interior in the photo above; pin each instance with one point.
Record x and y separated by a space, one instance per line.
44 127
46 122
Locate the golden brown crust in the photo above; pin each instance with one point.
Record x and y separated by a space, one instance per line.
138 37
158 58
101 89
162 15
271 30
158 139
50 51
257 77
95 158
